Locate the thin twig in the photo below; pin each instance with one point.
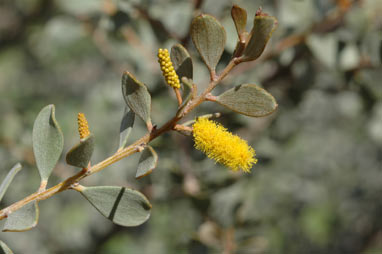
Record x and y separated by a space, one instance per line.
229 241
133 148
178 96
180 127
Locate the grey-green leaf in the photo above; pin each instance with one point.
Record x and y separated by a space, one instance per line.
209 38
48 141
4 249
137 97
239 16
8 179
182 61
183 67
263 27
23 219
187 93
80 154
248 99
126 127
147 162
125 207
187 90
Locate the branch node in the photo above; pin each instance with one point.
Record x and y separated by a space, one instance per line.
210 97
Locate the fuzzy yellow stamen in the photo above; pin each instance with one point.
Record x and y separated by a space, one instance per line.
83 127
167 68
224 147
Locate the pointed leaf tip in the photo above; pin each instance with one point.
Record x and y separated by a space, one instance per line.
126 127
147 162
125 207
137 97
248 99
4 249
80 154
8 179
48 141
209 38
23 219
182 61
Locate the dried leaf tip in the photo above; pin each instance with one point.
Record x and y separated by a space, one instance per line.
167 68
224 147
83 127
260 12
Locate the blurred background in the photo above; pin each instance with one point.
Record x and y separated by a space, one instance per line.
317 187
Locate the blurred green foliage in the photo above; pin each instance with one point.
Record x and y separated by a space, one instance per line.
318 183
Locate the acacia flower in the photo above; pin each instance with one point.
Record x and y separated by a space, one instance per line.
167 68
224 147
83 127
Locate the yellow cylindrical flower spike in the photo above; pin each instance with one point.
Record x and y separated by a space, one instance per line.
167 68
83 127
224 147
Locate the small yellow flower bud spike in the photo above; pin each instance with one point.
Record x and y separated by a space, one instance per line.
83 127
167 68
224 147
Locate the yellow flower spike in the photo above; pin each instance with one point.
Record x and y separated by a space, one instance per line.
83 127
167 68
224 147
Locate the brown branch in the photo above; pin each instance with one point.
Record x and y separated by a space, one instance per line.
178 96
229 241
133 148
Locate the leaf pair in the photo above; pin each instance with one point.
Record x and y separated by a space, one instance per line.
138 101
48 142
257 39
138 98
149 158
122 206
209 36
